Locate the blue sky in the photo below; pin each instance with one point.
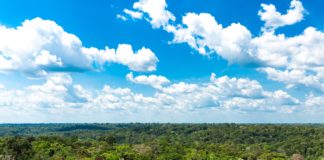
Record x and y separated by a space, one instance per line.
161 61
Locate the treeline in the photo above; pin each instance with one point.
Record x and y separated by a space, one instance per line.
162 141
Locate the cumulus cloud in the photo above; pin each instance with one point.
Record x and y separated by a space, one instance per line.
202 32
236 44
315 104
223 93
47 59
57 92
274 19
238 87
287 56
122 17
42 45
123 99
293 60
143 60
40 40
303 51
156 11
152 80
293 77
180 88
133 14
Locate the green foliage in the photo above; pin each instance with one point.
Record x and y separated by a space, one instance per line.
161 141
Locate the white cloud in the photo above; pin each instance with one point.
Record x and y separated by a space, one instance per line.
47 59
273 19
42 45
314 104
293 77
156 10
202 32
143 60
236 44
133 14
20 46
122 98
239 87
121 17
301 54
303 51
152 80
223 93
180 88
300 57
57 92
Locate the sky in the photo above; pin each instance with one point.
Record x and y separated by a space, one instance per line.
177 61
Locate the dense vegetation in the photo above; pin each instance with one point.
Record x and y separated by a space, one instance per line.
161 141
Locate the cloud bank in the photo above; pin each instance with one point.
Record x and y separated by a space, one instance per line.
223 93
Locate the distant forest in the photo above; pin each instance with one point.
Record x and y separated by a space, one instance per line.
135 141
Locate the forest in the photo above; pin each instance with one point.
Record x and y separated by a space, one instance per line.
150 141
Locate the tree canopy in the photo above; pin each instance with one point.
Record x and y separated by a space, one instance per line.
162 141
